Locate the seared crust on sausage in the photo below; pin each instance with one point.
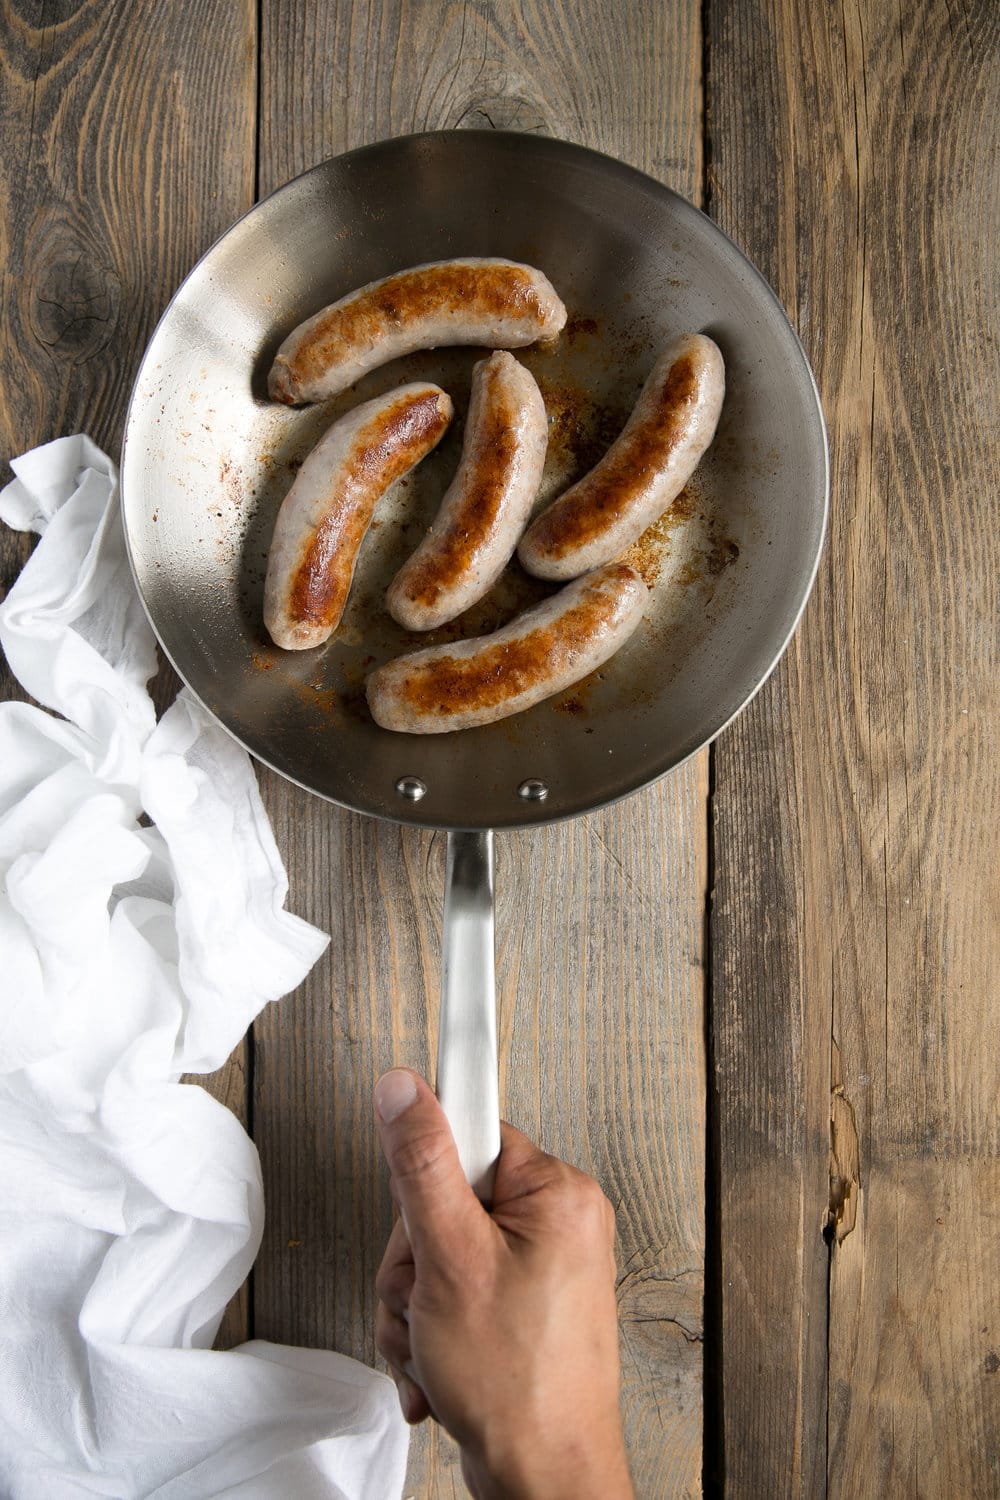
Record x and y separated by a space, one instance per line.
643 471
487 503
326 513
544 650
500 304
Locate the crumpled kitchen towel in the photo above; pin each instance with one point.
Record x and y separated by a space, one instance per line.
141 929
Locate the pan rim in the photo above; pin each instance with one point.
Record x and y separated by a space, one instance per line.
540 816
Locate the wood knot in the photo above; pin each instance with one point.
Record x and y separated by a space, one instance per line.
73 294
504 112
650 1294
845 1166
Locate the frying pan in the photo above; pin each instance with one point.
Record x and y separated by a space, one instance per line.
207 459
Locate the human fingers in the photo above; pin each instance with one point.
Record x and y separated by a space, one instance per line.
412 1401
538 1195
441 1213
395 1276
522 1164
394 1285
392 1339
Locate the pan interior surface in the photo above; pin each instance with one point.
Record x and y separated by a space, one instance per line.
207 460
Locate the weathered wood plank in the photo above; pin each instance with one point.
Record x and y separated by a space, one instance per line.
115 177
601 1037
115 174
915 1290
771 1004
336 75
600 922
857 802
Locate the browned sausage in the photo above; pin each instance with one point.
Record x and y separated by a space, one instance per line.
326 513
487 503
643 471
544 650
499 304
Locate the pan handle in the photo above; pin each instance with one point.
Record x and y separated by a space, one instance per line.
467 1036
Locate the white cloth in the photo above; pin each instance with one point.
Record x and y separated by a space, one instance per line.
132 952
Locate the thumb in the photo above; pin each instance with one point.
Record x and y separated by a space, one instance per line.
439 1209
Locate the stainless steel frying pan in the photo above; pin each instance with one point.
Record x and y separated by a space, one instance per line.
207 459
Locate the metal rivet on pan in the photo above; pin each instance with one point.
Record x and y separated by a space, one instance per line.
533 791
411 787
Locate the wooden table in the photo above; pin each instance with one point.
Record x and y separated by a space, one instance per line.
759 1000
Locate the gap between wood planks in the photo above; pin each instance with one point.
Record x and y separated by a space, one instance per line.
839 1216
713 1474
249 1041
713 1458
838 1221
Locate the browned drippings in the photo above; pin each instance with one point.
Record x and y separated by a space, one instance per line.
579 431
578 326
648 554
723 554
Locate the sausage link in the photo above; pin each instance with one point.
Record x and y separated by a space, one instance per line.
326 513
643 471
544 650
500 304
486 505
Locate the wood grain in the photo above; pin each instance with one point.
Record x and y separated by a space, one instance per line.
116 176
600 923
851 152
627 81
856 804
116 173
602 1061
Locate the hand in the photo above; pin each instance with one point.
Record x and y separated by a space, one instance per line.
502 1325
